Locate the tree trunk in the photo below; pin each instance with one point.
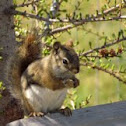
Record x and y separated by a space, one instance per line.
7 36
7 39
7 47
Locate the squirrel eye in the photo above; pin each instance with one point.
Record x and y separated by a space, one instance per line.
65 61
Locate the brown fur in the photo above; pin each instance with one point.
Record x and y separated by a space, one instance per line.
28 52
26 68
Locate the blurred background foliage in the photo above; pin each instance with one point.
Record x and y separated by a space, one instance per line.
96 87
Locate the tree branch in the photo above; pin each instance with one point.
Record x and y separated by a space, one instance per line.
15 12
99 57
83 21
108 11
99 17
112 9
105 70
55 7
104 46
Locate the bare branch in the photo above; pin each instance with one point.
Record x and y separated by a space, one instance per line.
61 29
110 72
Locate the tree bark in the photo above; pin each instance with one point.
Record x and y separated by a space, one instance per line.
7 47
7 40
7 36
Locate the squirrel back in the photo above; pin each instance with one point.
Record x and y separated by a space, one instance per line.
26 53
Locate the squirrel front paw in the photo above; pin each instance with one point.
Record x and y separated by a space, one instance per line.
76 82
71 83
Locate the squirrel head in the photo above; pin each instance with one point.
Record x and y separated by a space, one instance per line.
65 58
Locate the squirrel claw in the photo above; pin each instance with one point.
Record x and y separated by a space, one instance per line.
76 83
36 114
67 111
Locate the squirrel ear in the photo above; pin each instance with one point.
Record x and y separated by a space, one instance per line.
69 43
56 45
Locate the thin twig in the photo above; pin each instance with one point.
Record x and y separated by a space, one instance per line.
104 46
105 70
83 21
94 33
55 7
30 3
15 12
26 4
112 9
106 12
74 21
99 57
61 2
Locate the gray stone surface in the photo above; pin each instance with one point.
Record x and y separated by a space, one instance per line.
102 115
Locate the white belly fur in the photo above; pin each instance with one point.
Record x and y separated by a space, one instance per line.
44 99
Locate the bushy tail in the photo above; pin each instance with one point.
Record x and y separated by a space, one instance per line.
25 54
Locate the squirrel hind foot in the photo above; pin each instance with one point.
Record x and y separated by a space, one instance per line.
66 111
36 114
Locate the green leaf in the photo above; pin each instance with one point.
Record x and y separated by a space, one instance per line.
90 44
65 0
15 2
107 66
120 68
115 2
113 35
63 10
108 1
96 12
1 84
105 40
1 57
120 34
113 66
